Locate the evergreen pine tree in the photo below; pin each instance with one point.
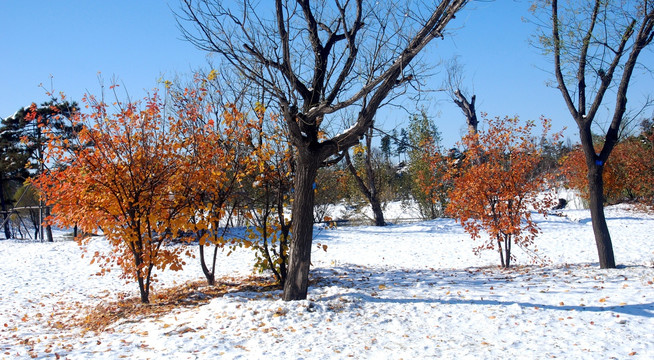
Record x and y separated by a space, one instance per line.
386 146
401 143
426 165
13 158
22 146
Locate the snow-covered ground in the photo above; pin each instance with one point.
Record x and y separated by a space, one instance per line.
405 291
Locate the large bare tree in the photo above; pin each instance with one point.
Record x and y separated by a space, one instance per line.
595 46
316 59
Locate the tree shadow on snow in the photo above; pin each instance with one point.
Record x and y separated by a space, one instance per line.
479 285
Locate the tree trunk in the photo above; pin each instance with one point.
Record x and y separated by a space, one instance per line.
596 196
377 211
48 228
600 228
507 251
48 233
297 280
145 298
372 186
211 280
284 237
144 288
369 191
282 254
500 251
468 108
5 214
266 250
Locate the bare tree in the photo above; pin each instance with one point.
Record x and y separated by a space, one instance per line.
454 87
369 186
595 46
317 59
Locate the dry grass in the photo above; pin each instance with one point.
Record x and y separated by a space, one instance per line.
103 316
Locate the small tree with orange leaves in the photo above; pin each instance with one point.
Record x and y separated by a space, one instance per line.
219 159
496 187
130 183
269 197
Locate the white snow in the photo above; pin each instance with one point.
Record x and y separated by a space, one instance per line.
400 292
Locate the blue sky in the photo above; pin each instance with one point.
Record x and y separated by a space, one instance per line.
138 42
73 41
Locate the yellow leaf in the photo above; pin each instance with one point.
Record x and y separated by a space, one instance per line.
212 75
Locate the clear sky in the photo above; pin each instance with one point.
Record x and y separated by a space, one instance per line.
70 42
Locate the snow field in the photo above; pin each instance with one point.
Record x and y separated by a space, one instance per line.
398 292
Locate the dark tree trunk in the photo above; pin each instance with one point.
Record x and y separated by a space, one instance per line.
372 185
48 228
600 228
296 284
500 250
5 213
282 254
266 250
211 278
596 197
370 190
143 289
468 108
48 233
144 283
377 211
284 238
507 251
145 294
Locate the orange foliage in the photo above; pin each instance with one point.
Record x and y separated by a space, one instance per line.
219 156
627 175
270 197
123 177
496 186
149 176
431 177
